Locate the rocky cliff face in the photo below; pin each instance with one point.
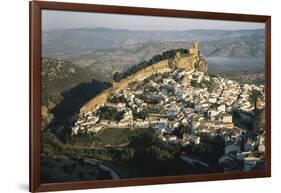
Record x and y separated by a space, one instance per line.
203 66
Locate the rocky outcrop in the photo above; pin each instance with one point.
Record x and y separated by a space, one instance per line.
191 61
203 66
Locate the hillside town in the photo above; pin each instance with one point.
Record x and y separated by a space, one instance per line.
202 106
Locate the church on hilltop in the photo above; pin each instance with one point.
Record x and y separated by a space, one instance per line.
191 61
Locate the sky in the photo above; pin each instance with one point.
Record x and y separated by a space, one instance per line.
52 20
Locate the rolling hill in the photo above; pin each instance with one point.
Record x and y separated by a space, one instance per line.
72 41
106 51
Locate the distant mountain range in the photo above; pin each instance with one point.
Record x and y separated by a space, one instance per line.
72 41
105 51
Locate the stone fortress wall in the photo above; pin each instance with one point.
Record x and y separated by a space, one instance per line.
190 61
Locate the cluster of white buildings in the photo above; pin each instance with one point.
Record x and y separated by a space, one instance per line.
192 99
244 103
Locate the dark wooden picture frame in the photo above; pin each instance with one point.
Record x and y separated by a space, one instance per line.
35 94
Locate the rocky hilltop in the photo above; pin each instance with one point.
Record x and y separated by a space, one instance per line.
166 110
191 60
217 122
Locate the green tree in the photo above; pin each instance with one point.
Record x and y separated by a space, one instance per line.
254 97
117 76
128 154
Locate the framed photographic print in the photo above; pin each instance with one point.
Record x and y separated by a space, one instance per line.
123 96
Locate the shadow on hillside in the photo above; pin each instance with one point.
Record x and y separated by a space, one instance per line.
66 112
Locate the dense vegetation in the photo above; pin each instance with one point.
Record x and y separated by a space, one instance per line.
134 153
210 85
110 113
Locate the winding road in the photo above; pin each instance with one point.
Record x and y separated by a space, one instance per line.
104 167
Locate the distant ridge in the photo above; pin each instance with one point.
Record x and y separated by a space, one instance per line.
61 42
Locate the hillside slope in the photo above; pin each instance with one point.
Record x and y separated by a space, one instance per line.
59 80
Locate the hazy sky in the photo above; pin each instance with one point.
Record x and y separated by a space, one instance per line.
69 19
